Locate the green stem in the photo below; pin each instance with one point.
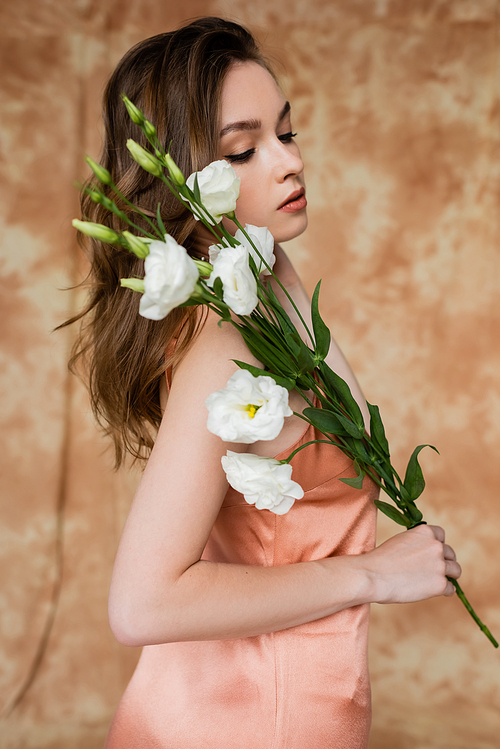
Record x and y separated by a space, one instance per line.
306 444
375 477
136 210
271 314
385 472
389 486
282 287
331 440
261 340
471 611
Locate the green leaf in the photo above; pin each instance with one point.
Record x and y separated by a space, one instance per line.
377 431
305 359
325 421
286 324
321 332
333 381
393 513
264 352
196 191
293 342
161 225
284 382
362 452
351 428
356 483
296 348
302 384
405 495
326 403
218 288
414 513
414 482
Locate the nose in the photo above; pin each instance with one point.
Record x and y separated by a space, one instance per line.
288 160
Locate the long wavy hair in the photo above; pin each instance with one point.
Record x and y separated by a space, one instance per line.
176 78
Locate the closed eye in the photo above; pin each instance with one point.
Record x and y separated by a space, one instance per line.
240 158
287 137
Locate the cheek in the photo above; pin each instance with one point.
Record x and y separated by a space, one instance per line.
251 203
250 206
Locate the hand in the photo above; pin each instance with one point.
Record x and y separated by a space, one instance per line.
413 566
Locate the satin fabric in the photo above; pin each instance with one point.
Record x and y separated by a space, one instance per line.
305 687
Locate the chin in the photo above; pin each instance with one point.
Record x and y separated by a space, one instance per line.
295 229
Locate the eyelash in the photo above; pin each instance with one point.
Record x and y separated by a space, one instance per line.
241 158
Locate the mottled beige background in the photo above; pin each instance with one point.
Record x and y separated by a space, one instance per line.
397 104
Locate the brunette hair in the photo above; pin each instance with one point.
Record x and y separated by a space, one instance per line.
176 78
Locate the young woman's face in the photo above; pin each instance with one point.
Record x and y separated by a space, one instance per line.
258 141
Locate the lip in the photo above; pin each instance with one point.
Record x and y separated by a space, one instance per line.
296 201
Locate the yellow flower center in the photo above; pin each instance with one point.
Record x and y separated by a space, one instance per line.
252 410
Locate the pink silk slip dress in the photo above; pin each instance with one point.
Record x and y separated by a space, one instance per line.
305 687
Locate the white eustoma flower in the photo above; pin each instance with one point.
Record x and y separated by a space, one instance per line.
213 252
219 189
171 278
263 240
239 284
264 482
248 409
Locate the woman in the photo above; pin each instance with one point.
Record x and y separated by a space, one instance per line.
254 624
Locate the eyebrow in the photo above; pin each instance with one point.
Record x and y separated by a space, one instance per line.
252 124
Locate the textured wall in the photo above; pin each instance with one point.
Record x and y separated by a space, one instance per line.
397 104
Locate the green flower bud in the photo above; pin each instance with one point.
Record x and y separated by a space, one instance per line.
149 129
204 269
134 112
100 172
96 196
176 175
136 284
137 245
97 231
145 159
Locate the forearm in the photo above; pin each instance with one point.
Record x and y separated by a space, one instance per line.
212 601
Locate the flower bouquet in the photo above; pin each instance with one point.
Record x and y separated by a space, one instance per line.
235 285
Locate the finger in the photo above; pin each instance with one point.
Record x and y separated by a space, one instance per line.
449 590
438 532
449 553
453 569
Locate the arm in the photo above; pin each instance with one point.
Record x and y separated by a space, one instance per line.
162 591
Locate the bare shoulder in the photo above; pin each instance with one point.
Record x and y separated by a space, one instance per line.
209 361
206 367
